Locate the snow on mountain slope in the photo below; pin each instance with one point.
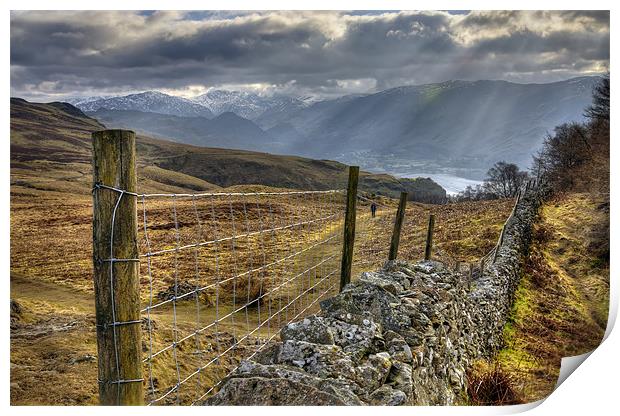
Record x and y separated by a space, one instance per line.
246 104
149 101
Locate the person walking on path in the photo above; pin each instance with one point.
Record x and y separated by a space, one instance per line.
373 209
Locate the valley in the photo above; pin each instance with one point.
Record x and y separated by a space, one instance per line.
306 207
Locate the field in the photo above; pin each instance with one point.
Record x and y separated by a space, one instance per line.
53 345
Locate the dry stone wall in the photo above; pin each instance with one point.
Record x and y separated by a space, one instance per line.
405 334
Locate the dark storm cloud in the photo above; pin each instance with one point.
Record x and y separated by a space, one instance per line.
326 53
563 43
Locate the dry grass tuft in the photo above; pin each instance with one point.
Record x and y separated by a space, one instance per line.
491 385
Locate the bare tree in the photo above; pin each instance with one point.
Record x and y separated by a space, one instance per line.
576 155
564 151
504 179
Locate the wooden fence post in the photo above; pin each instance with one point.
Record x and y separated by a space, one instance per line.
514 207
429 237
499 243
398 224
349 227
116 268
471 275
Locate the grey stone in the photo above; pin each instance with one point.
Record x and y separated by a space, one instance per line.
380 280
401 377
397 347
310 329
387 396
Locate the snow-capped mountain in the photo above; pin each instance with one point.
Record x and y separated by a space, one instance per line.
83 100
149 101
246 104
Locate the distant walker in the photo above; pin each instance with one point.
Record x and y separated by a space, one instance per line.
373 209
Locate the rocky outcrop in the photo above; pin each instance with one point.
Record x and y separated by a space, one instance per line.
402 335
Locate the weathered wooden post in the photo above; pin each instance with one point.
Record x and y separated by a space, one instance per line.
116 268
471 275
499 243
457 266
398 224
429 237
349 227
482 260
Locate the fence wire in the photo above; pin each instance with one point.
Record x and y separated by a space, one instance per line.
373 232
447 231
221 273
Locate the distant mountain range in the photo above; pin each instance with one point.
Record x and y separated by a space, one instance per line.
227 130
464 123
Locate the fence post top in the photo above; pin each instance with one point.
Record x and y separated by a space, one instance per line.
112 131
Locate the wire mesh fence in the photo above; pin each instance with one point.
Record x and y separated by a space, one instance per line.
223 272
373 230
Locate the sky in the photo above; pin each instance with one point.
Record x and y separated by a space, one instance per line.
56 54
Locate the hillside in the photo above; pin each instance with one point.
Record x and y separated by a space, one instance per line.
562 302
443 122
227 130
50 150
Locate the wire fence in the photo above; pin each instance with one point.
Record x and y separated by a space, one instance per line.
223 272
375 216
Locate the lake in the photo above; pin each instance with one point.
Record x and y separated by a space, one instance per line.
452 184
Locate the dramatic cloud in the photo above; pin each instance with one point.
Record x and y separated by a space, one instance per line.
56 54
